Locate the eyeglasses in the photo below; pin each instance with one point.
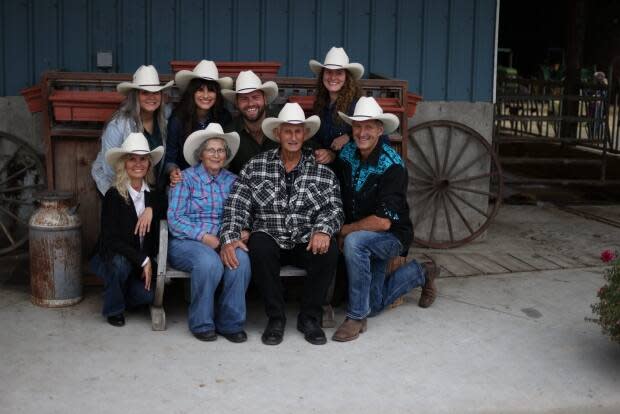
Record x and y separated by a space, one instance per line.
213 151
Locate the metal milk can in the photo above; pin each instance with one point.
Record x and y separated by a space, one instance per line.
55 252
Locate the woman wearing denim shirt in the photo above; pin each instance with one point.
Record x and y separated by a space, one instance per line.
195 212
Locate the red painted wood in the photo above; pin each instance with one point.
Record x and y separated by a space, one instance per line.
33 98
94 106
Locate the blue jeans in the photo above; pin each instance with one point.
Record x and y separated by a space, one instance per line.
207 271
123 286
367 254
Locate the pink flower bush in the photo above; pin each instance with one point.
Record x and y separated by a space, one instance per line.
607 256
608 308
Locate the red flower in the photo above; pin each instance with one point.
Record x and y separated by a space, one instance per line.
608 256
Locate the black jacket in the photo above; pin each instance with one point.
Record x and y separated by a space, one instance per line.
118 221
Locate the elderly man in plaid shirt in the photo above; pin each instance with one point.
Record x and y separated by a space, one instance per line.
292 204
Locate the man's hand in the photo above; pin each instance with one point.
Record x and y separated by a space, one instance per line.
175 176
147 275
211 241
228 255
319 243
324 156
340 142
245 236
143 225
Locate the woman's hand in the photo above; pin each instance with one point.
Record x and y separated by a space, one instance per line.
245 236
147 275
143 225
175 176
340 142
211 241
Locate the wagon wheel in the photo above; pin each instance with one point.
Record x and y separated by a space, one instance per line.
21 175
455 183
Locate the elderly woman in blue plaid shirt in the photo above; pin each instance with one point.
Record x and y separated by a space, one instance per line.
194 217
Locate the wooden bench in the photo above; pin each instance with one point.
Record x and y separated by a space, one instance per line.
166 272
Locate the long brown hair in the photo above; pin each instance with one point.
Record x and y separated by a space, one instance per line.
350 91
130 109
186 111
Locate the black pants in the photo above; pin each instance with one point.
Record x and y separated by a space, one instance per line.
266 257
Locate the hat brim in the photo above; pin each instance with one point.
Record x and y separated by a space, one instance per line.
114 154
125 87
184 77
390 121
196 138
312 123
356 69
269 88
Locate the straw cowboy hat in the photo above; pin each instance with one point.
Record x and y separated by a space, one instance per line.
366 109
291 113
247 82
213 130
206 70
146 79
337 58
135 143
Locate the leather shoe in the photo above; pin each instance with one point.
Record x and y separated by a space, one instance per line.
349 330
274 332
429 290
312 330
207 336
236 337
116 320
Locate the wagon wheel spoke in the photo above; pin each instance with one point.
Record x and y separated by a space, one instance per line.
447 214
422 172
425 209
22 187
457 158
10 160
473 190
458 211
28 201
434 220
474 177
13 216
447 153
7 234
469 164
423 155
17 174
468 204
435 151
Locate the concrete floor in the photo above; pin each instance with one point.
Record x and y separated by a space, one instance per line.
509 343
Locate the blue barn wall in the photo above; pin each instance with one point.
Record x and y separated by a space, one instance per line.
444 48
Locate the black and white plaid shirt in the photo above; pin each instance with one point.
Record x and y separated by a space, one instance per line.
259 201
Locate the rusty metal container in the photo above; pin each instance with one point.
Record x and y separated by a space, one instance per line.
55 252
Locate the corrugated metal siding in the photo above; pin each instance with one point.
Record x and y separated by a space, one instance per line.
444 48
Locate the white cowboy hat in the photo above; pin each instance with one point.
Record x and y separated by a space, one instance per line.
247 82
337 58
135 143
206 70
213 130
291 113
145 78
366 109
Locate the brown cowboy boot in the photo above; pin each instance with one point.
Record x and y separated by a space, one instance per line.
349 330
429 290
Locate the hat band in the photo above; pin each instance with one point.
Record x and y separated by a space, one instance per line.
293 121
334 65
250 89
149 84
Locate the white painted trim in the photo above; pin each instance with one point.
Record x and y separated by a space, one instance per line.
495 51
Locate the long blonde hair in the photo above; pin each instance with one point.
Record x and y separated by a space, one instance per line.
121 178
130 109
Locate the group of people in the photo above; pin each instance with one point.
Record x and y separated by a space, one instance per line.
250 193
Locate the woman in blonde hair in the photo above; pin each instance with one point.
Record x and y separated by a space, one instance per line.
125 253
